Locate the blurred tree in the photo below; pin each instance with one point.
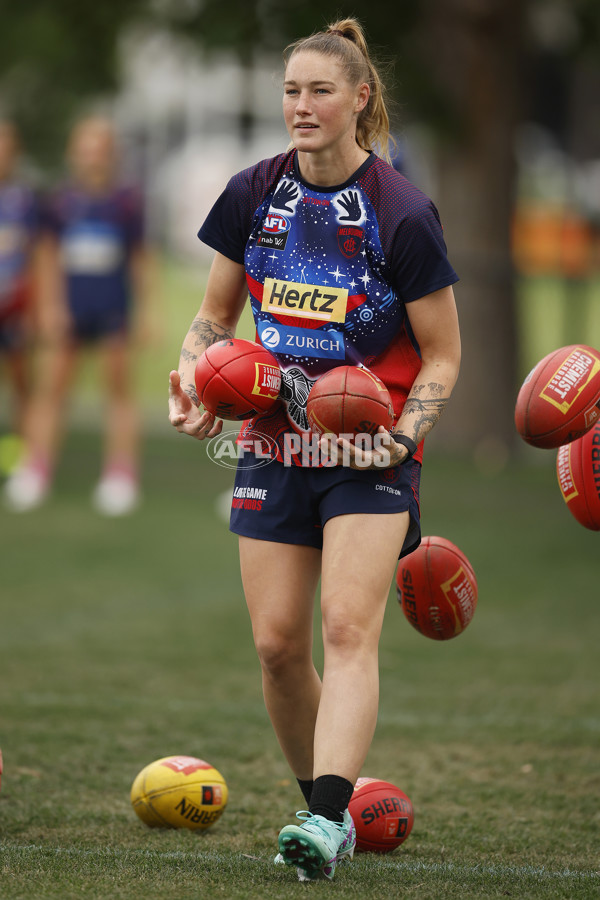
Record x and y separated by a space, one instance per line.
475 54
236 27
54 56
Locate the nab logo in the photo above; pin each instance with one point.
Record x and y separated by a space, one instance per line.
274 232
275 224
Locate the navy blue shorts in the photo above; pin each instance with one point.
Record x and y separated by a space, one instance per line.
93 321
291 504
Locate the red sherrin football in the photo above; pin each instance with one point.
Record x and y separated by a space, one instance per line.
383 815
236 379
578 470
437 589
349 400
560 398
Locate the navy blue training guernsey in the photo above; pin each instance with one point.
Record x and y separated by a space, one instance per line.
330 271
19 217
97 234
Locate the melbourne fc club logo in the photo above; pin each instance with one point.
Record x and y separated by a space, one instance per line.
350 239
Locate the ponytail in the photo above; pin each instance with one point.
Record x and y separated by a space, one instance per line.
345 40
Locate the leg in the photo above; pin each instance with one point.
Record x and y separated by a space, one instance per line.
360 553
280 581
29 484
117 491
44 418
16 364
122 422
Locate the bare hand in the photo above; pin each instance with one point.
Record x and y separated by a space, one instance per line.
381 453
186 417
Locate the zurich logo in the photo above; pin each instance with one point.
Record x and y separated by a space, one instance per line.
270 337
275 224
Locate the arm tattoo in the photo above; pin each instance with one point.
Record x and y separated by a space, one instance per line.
207 332
426 410
187 355
190 390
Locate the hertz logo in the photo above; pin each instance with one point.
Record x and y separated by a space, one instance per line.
307 301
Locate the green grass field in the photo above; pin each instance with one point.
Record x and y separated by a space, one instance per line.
124 641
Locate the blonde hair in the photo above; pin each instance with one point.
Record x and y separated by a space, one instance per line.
345 40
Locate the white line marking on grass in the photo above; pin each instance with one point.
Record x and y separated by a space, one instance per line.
410 866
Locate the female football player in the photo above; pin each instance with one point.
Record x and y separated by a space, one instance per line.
360 260
93 267
19 222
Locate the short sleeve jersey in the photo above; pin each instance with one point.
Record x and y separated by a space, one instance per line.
329 272
19 215
96 234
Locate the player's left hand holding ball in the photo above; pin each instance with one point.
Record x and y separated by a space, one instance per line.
381 453
186 417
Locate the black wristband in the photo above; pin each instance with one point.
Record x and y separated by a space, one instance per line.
406 442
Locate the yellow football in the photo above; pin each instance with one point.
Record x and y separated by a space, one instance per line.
179 792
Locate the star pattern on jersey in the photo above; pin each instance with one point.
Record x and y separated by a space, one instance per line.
312 256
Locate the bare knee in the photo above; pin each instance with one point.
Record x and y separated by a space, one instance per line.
280 655
55 375
345 636
119 388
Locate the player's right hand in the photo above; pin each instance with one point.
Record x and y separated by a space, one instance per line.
185 416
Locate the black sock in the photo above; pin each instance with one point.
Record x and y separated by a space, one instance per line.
306 788
330 797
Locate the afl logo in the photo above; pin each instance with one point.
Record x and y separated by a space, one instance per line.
275 224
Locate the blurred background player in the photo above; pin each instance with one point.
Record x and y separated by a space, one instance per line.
18 228
93 266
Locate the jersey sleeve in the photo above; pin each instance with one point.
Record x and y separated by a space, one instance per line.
419 261
229 222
